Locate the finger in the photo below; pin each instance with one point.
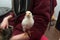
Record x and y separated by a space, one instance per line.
4 26
8 17
7 25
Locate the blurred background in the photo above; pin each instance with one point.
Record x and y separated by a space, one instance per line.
57 9
6 3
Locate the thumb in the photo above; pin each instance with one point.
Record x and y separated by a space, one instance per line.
8 17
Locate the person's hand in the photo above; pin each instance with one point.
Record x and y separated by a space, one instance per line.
4 23
22 36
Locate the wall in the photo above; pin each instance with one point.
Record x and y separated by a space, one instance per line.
5 3
57 9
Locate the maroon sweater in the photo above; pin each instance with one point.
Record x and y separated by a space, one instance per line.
41 12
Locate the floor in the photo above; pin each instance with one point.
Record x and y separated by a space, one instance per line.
52 33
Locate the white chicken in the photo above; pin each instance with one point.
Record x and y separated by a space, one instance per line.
28 21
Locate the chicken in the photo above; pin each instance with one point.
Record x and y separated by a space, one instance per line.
28 21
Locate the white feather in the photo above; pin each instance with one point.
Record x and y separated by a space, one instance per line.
27 22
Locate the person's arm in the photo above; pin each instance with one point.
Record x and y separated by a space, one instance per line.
22 36
41 11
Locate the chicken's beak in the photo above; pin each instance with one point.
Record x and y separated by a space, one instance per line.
27 15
